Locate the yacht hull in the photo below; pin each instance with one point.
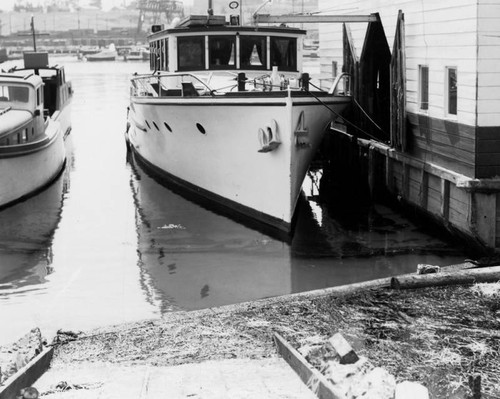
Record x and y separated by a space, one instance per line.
27 168
211 146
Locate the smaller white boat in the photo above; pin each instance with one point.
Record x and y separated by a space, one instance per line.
107 54
137 54
34 119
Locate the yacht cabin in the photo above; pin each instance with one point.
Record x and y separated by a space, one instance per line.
208 43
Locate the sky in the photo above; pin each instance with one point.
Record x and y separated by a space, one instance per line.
7 5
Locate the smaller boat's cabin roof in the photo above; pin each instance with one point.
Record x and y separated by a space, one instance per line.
20 91
208 43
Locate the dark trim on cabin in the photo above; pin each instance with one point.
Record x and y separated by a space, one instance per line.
241 214
184 102
228 28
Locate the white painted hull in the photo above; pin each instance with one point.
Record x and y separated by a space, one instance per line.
25 169
224 163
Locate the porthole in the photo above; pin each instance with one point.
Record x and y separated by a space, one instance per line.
167 126
156 126
201 128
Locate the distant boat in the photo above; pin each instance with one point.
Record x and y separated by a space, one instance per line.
230 116
137 54
34 120
107 54
84 51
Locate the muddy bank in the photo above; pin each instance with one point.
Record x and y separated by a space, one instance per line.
438 336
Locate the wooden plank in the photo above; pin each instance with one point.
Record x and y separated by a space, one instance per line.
27 375
445 199
314 380
460 277
316 18
388 173
406 181
424 192
484 217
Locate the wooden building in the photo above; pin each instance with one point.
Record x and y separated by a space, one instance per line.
426 79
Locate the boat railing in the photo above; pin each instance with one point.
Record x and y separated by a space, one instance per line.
341 85
186 84
169 84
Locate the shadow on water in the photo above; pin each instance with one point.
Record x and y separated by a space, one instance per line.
195 258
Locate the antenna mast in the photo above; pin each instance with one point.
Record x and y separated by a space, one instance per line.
33 32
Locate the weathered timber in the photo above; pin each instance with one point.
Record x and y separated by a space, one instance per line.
344 349
466 276
27 375
314 380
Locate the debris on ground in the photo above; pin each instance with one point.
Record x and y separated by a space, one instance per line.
439 337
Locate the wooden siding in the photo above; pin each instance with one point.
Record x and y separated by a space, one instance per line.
464 34
438 34
488 61
445 143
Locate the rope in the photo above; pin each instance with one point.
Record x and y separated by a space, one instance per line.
359 106
344 119
368 116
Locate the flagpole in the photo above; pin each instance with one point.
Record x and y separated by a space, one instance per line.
33 32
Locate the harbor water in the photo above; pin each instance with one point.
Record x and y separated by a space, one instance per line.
107 244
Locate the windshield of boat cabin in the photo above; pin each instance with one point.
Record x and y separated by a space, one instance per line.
223 50
14 94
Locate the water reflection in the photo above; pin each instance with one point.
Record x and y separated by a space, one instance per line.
26 235
196 258
107 244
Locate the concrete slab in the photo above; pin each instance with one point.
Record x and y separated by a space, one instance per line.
270 378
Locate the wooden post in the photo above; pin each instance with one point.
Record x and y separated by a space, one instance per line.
424 189
461 277
241 81
27 375
305 81
388 173
314 380
445 199
406 182
372 170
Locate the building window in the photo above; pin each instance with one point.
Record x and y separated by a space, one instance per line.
451 90
424 87
191 53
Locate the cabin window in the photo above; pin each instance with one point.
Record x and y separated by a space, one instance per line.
155 55
222 50
14 93
164 54
253 52
424 87
38 97
284 53
451 90
161 54
152 55
191 53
